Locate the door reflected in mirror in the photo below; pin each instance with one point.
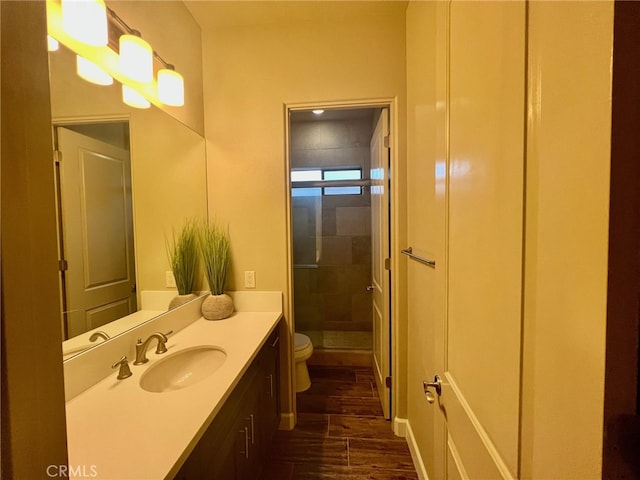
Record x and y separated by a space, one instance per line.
95 233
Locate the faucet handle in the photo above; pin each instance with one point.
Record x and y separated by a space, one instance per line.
162 347
125 371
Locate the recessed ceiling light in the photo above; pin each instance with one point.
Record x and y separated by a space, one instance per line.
318 112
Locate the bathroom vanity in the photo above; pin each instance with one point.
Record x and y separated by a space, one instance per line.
236 442
217 427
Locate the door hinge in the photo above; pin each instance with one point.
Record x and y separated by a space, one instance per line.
387 382
387 264
63 265
57 156
387 141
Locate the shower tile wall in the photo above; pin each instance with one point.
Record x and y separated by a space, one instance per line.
332 238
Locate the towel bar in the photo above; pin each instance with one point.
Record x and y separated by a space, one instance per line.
409 253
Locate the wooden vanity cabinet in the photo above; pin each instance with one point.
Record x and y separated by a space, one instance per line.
269 379
235 444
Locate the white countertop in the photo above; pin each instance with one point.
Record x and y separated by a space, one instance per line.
119 431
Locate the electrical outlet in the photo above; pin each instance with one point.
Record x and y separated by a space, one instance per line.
250 279
170 281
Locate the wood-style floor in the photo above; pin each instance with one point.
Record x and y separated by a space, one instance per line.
341 433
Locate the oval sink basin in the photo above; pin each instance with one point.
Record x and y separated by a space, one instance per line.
182 369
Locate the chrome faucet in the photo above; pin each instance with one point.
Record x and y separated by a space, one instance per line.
141 347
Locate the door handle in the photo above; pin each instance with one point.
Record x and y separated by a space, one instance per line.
436 385
370 288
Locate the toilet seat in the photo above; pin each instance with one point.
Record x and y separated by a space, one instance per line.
303 346
301 341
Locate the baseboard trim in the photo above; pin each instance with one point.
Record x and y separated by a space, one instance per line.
287 421
402 428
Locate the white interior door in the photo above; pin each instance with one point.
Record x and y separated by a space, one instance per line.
97 231
481 346
380 252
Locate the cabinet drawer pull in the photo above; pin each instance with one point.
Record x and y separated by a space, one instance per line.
252 429
275 342
245 430
270 385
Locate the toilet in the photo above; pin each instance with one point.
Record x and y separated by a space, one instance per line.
303 350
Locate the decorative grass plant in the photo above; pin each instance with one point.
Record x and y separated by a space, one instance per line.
183 256
215 247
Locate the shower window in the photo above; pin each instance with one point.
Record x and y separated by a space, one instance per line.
319 175
306 176
352 174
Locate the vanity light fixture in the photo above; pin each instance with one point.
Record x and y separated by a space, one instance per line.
124 56
86 21
170 86
91 72
318 111
136 57
52 44
134 98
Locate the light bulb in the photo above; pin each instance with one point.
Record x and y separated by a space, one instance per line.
91 72
86 21
170 87
136 58
133 98
52 44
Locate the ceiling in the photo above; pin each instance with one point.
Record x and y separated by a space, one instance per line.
229 13
211 14
334 114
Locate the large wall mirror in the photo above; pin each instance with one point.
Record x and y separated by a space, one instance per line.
126 178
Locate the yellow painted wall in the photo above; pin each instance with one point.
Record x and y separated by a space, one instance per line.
250 73
567 206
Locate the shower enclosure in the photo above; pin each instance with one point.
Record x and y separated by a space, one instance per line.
331 225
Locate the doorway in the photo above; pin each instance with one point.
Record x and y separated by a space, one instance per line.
338 169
